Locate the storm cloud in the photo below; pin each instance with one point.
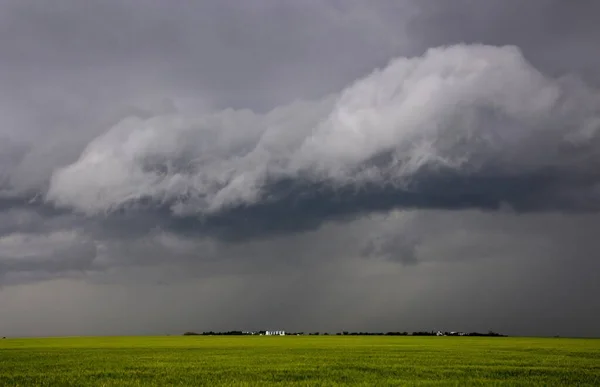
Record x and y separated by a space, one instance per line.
306 165
460 127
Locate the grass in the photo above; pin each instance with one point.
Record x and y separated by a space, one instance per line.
304 360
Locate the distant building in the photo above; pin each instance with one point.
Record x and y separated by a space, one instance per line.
275 333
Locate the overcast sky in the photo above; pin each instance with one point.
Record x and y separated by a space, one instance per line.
316 165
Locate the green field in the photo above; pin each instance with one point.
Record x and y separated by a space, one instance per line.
304 360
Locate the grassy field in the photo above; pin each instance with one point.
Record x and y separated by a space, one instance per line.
304 360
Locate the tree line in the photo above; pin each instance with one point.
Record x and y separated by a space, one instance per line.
346 333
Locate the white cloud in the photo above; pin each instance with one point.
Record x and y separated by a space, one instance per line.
465 108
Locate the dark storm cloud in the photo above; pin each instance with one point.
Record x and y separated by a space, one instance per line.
460 127
308 207
127 158
476 271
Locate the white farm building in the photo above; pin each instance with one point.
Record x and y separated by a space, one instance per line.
275 333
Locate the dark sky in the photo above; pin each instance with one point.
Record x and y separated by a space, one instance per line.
316 165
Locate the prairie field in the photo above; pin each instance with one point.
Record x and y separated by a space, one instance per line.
298 360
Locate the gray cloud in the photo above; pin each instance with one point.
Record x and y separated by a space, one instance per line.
28 257
316 165
475 272
554 35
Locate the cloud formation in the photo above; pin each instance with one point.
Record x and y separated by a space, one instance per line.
467 126
219 165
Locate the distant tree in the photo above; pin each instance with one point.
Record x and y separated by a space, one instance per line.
424 333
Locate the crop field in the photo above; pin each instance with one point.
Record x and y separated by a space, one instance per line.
298 360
